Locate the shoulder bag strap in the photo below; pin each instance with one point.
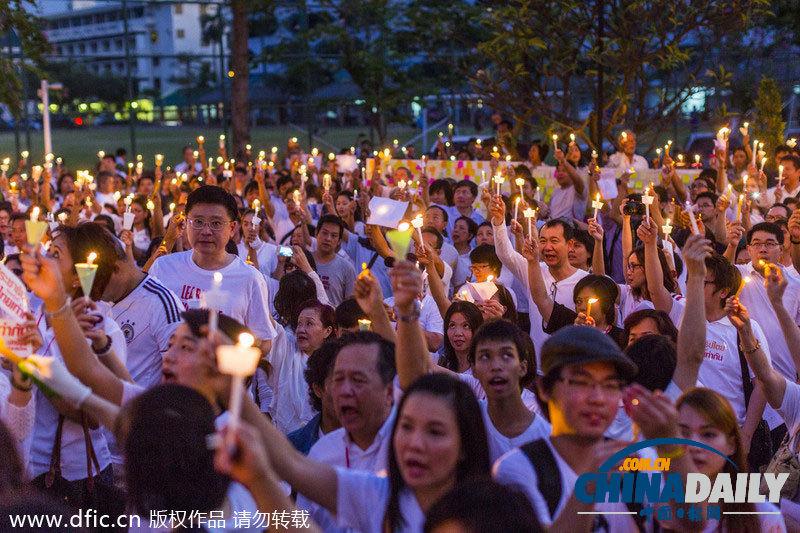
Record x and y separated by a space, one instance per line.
548 477
55 456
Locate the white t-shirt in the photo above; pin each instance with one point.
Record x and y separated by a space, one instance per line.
338 276
568 203
754 297
429 317
141 238
362 498
500 444
628 303
516 470
620 160
721 370
148 316
248 296
290 408
267 254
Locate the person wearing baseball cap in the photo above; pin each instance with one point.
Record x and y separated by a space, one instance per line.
584 374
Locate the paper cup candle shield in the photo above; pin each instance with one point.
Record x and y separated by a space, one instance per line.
400 240
35 228
86 273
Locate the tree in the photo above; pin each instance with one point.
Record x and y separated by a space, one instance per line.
542 59
19 30
240 83
769 125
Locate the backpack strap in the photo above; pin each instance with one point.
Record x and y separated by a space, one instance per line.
747 383
548 477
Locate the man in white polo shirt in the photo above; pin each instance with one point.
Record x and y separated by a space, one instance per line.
363 396
212 218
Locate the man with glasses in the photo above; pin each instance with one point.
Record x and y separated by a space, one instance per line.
765 244
212 218
584 374
698 185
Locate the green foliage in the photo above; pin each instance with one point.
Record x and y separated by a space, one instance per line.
20 29
82 85
769 125
541 59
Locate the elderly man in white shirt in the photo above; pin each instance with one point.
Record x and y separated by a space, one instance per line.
626 157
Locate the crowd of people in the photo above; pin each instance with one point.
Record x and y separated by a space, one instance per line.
460 384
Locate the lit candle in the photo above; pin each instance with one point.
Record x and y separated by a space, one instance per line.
326 182
417 222
516 207
763 161
364 271
697 160
597 205
150 206
667 147
666 228
744 282
555 142
498 180
589 307
780 175
237 361
100 155
35 213
401 184
765 266
221 142
528 214
86 273
739 208
755 151
296 197
200 139
571 138
364 324
519 182
159 159
693 222
647 200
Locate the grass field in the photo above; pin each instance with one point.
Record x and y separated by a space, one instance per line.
79 146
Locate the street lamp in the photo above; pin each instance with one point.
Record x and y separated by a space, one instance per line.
44 94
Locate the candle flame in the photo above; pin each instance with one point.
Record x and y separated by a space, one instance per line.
246 340
217 277
90 259
404 226
593 300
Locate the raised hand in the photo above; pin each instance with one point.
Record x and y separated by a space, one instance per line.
655 414
737 313
530 250
497 210
42 276
368 294
647 232
406 284
695 251
775 284
596 230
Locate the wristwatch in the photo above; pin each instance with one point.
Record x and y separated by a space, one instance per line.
412 316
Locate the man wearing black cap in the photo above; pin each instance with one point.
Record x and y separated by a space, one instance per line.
584 377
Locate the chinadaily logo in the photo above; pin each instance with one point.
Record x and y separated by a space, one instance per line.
641 482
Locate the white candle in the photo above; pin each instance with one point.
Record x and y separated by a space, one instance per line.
695 229
755 151
780 175
499 181
221 142
417 222
211 302
666 228
597 205
647 200
516 207
528 213
239 362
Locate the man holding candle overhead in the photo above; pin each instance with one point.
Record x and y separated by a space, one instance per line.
626 156
212 217
791 179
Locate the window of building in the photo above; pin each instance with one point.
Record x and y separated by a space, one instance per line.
93 46
82 48
106 45
178 9
153 36
179 34
156 61
138 12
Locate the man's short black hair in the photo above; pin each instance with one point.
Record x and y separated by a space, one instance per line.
282 181
444 211
522 171
473 187
331 219
707 194
435 233
567 227
386 364
739 148
793 158
768 227
445 187
319 366
211 194
348 313
782 206
485 253
726 276
582 236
